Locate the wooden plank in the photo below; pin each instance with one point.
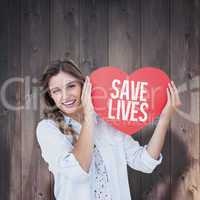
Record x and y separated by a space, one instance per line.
127 34
10 152
64 35
185 71
124 34
124 52
93 35
155 52
65 29
4 148
35 55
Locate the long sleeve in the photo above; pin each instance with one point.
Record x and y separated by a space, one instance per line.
56 151
137 156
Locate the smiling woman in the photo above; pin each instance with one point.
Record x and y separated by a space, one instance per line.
86 155
65 90
62 82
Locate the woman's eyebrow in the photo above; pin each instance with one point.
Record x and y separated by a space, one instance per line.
54 88
71 82
65 84
74 81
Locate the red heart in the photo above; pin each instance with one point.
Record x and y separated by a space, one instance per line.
129 102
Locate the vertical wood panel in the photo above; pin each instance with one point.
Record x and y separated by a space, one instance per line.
35 54
124 52
4 149
65 29
14 120
64 35
93 35
185 62
10 143
155 52
124 34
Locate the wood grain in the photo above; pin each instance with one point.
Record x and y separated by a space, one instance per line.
34 56
124 33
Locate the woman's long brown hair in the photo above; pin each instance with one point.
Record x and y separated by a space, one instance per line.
51 111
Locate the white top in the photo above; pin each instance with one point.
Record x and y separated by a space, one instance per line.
116 148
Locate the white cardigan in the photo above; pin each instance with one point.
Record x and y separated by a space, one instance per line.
117 150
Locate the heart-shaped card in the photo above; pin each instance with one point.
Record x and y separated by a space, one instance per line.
129 102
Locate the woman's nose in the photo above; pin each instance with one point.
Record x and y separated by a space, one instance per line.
64 93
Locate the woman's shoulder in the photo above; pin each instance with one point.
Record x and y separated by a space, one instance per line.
46 127
46 122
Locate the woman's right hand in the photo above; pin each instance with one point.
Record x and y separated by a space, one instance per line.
86 98
83 148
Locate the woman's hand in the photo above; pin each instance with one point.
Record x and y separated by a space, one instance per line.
84 147
86 98
157 140
173 102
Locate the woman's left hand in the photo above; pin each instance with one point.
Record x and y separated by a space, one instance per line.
173 101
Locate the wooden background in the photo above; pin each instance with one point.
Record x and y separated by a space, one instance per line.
128 34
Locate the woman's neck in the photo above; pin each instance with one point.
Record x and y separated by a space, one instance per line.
78 116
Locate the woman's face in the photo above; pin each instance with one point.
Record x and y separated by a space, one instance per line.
65 90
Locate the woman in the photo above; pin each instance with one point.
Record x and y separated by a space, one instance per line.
87 156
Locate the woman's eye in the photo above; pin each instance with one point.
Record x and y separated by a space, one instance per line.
71 86
55 91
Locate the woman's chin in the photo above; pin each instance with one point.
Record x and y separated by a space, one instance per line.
72 110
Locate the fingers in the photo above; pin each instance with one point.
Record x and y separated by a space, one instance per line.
90 95
168 96
174 96
171 90
177 97
88 88
86 93
85 88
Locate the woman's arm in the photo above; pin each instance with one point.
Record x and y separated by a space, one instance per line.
157 140
84 146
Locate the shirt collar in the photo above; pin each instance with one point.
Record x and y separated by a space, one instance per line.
75 124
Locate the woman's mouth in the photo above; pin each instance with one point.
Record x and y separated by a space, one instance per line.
69 103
